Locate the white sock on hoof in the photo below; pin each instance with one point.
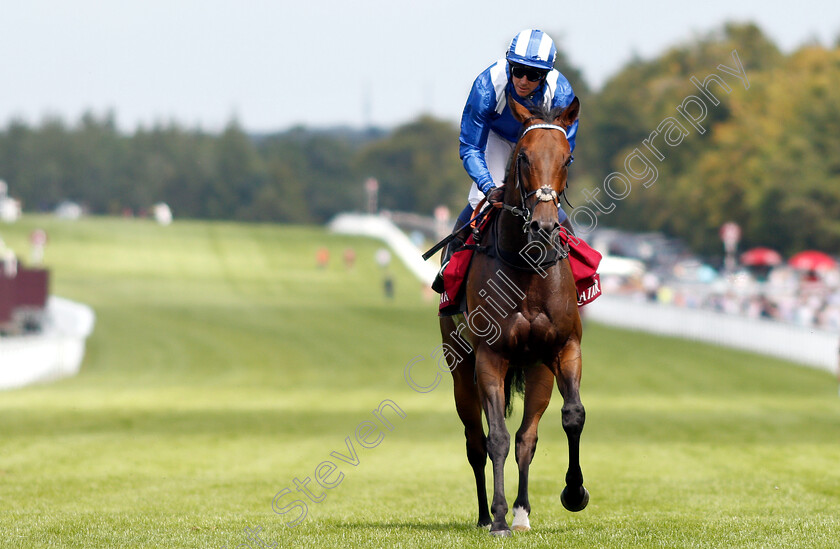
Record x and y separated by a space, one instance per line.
520 520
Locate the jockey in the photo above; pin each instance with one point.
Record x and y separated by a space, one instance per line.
488 129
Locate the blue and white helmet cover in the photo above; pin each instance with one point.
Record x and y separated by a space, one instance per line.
532 48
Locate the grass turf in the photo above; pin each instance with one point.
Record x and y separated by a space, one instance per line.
225 364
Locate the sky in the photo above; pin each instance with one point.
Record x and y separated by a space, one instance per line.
272 65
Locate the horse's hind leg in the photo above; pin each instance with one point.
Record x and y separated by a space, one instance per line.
574 497
468 406
539 383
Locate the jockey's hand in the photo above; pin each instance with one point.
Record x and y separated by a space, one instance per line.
496 197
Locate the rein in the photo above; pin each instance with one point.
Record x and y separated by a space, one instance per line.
517 261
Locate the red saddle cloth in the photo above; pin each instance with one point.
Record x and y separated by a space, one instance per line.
583 259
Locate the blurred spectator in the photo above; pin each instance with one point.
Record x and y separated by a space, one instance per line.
349 258
650 284
9 263
388 286
322 258
665 295
806 298
37 241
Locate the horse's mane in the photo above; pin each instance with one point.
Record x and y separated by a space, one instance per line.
543 111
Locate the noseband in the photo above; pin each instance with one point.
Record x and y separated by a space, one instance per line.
543 194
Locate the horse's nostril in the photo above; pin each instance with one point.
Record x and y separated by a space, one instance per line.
543 227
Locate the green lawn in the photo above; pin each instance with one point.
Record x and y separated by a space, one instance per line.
224 365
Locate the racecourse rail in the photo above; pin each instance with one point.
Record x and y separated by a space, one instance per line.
375 226
54 353
58 351
807 346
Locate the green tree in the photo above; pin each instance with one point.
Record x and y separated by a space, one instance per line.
418 167
773 167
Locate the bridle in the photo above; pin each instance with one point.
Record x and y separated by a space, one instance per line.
544 193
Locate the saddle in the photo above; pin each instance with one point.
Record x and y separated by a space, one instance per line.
583 260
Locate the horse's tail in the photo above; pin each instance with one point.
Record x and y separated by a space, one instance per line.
515 379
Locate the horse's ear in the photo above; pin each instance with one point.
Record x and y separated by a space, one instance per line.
569 114
520 112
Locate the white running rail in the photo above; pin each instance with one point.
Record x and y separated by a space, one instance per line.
54 353
806 346
383 229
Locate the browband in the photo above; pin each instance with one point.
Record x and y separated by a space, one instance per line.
545 126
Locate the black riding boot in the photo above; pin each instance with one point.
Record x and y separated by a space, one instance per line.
454 245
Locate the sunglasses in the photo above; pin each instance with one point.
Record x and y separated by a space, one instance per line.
533 75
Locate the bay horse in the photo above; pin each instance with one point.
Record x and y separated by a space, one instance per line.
523 323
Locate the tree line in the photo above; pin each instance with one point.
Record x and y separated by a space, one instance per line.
768 158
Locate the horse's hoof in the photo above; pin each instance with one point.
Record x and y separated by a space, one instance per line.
573 506
483 524
501 533
520 520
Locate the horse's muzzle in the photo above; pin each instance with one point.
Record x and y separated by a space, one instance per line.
543 232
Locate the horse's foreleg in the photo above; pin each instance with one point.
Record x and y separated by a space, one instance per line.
539 383
469 410
574 497
468 405
491 370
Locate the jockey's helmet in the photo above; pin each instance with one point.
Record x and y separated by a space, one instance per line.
532 48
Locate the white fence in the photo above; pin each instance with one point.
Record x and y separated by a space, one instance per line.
375 226
809 347
55 353
806 346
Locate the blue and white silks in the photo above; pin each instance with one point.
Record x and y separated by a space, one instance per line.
489 130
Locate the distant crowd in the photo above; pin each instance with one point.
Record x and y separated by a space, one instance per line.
808 299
